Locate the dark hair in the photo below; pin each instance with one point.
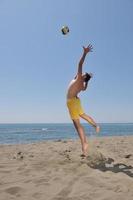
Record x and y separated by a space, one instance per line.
88 77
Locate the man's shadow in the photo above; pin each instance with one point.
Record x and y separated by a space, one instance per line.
108 165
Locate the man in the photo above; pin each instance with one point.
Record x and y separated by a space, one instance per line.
78 84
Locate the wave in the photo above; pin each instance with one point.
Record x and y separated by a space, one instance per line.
44 129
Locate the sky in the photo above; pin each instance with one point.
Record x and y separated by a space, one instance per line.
37 61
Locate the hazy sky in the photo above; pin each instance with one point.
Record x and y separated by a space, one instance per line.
37 61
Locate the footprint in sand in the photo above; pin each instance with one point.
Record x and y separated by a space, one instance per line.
15 190
42 181
96 158
37 195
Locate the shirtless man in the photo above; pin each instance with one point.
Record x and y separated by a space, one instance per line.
78 84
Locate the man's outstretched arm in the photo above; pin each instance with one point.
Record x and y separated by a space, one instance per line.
86 50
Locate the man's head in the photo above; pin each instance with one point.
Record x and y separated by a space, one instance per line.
87 76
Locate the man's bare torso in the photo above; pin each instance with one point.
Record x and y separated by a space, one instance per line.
75 86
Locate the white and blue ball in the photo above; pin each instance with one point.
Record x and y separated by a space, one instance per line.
65 30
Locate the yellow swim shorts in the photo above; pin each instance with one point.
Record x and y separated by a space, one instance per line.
74 107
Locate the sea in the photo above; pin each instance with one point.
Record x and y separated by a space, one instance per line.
31 133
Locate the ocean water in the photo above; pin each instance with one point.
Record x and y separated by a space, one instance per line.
30 133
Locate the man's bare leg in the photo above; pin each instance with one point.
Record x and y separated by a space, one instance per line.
82 136
91 121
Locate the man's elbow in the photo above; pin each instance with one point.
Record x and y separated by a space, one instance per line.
80 64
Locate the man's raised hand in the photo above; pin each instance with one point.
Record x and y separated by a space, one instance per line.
88 49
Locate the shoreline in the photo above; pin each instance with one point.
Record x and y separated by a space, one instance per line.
66 139
55 170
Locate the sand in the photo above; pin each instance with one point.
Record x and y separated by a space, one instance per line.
55 170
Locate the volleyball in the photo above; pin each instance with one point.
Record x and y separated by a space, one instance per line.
65 30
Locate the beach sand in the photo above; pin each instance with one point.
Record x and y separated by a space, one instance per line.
55 170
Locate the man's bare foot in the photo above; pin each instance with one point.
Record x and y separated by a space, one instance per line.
97 129
85 149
